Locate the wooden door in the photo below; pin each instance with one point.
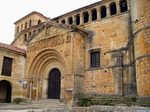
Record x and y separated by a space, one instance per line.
54 84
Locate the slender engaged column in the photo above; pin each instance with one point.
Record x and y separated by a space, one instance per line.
67 22
81 19
37 90
118 8
30 90
73 20
108 11
90 16
98 14
128 5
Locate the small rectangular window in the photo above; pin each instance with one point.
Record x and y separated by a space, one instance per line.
7 66
95 59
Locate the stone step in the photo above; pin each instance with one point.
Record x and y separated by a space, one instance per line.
47 101
35 104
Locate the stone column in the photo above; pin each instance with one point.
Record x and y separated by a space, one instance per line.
30 90
128 5
67 22
81 18
140 18
73 20
90 15
98 14
37 89
118 8
44 88
108 11
62 93
59 21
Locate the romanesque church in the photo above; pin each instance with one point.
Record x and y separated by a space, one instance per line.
102 49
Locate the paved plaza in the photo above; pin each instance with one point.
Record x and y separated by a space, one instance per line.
57 106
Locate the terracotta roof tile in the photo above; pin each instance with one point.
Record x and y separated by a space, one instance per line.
11 47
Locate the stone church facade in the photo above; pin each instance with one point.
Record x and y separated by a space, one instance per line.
102 49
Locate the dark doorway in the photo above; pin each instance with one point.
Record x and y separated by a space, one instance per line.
54 84
5 91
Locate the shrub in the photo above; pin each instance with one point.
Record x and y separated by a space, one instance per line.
19 100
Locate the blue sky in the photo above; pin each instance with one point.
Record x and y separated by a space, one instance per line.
12 10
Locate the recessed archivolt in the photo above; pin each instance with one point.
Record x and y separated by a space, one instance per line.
42 59
53 61
42 62
45 63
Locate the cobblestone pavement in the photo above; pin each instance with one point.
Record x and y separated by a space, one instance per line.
56 106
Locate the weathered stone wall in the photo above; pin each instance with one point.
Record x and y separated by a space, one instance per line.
34 21
27 28
122 39
78 62
140 14
55 47
20 41
18 72
110 35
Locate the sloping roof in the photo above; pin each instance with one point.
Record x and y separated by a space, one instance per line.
12 48
34 12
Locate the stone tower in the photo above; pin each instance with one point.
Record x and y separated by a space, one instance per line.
27 27
140 17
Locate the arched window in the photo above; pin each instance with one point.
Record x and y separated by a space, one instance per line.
94 14
86 16
77 19
123 6
39 21
30 23
63 21
113 9
70 20
26 25
103 11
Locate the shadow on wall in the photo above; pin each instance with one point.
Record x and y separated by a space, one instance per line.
90 36
5 92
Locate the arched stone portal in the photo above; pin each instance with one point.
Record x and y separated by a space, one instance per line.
43 68
54 84
5 91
